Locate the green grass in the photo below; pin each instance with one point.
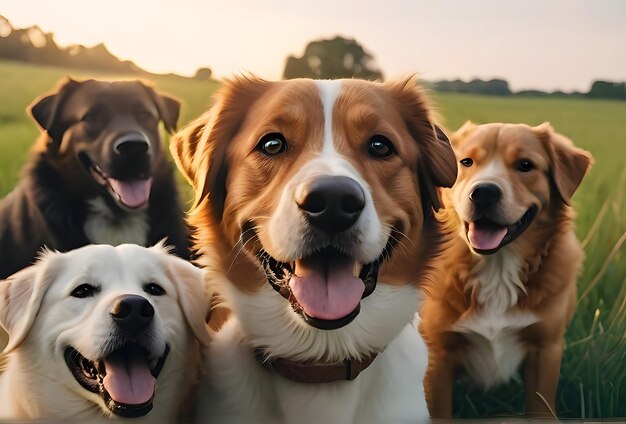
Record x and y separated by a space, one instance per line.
593 375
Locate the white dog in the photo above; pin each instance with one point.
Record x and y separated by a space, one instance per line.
102 331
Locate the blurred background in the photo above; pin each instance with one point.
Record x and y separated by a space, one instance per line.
515 61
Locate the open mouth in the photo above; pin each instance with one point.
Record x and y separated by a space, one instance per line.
487 237
322 287
125 378
131 193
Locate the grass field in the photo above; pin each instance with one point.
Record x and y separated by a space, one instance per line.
593 375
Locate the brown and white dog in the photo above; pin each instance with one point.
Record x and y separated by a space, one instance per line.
97 174
314 218
102 331
509 286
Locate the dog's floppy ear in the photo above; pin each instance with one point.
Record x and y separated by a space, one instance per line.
168 107
21 295
437 168
200 148
45 110
569 164
190 289
437 163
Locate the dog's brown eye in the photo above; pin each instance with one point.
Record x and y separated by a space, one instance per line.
380 146
272 144
85 290
525 165
467 162
154 289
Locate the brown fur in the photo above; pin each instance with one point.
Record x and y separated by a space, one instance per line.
550 253
235 185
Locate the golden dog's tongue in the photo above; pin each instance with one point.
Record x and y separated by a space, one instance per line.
485 238
128 378
133 193
325 287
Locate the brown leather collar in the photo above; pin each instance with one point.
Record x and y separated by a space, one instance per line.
314 372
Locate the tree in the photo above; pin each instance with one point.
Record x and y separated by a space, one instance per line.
608 90
203 74
330 59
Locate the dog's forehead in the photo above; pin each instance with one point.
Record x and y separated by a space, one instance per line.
108 264
117 95
501 140
286 103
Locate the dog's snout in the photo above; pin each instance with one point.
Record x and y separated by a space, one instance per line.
485 195
131 147
331 203
132 313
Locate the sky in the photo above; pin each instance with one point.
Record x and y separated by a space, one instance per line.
542 44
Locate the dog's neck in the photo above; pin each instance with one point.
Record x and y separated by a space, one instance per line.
267 321
496 281
102 226
314 372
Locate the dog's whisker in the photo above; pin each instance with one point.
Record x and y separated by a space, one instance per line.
241 248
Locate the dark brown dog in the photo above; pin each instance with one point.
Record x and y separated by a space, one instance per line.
98 174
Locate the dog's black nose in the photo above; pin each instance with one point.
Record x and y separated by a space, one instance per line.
131 147
485 195
132 313
331 203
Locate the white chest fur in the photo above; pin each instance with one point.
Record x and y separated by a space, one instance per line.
104 227
495 352
390 390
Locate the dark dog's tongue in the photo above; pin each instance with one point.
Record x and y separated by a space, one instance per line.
133 193
325 286
128 378
485 237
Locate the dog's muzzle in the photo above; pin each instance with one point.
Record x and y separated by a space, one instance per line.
125 375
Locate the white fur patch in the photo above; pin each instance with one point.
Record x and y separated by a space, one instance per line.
496 280
329 91
496 353
104 227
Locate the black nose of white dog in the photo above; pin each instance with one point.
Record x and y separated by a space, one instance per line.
132 313
331 203
485 196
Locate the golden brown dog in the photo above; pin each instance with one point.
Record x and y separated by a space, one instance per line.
509 290
314 219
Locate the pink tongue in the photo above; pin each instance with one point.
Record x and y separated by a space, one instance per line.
128 379
133 193
326 288
485 238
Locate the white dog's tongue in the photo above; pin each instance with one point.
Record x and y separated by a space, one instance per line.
325 287
485 238
128 379
133 193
